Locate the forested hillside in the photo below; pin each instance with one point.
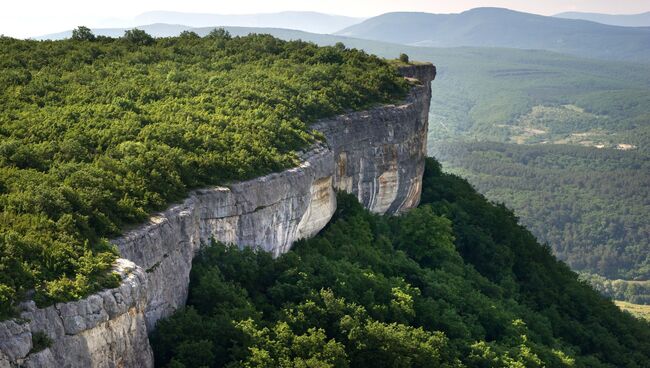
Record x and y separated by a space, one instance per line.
562 142
454 283
95 133
590 204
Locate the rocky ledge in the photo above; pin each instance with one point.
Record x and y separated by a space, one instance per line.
377 155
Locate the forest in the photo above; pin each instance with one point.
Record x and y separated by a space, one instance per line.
98 132
564 142
456 282
591 205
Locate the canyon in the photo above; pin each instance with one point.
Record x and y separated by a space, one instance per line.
377 155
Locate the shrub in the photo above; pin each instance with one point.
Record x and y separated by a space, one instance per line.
40 341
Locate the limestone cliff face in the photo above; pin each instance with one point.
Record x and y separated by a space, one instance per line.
269 212
378 155
104 330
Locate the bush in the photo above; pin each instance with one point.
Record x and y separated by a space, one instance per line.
404 58
40 341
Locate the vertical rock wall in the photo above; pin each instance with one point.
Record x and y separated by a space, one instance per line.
378 155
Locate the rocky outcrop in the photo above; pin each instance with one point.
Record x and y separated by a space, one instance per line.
269 212
106 329
377 155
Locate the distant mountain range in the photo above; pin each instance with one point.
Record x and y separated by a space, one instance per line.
156 30
623 20
168 23
303 21
497 27
480 27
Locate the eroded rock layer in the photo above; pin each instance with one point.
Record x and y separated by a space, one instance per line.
378 155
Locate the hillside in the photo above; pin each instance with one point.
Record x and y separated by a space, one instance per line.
97 133
623 20
566 146
496 27
454 283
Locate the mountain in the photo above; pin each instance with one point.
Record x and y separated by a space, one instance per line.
304 21
156 30
497 27
455 282
623 20
167 23
170 30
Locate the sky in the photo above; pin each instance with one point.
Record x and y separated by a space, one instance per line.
28 18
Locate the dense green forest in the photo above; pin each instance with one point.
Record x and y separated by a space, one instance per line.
97 132
591 204
563 142
454 283
637 292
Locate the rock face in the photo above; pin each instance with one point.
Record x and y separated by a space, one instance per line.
378 155
106 329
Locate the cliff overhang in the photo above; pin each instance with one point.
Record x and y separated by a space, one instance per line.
377 155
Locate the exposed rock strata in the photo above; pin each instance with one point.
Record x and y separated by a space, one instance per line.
378 155
106 329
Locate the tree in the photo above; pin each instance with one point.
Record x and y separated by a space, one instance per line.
189 35
404 58
219 33
82 33
138 37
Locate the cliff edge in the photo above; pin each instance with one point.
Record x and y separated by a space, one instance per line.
377 155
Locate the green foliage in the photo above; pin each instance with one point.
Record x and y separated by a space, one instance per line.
40 341
97 135
82 33
139 37
588 204
219 33
454 283
524 127
637 292
404 58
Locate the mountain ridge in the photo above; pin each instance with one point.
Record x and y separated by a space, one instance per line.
498 27
622 20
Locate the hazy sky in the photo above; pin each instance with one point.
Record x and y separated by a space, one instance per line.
24 18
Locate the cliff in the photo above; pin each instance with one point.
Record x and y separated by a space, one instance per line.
377 154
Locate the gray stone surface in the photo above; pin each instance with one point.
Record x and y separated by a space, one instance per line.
377 155
106 329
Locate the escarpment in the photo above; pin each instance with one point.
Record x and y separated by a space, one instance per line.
377 155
